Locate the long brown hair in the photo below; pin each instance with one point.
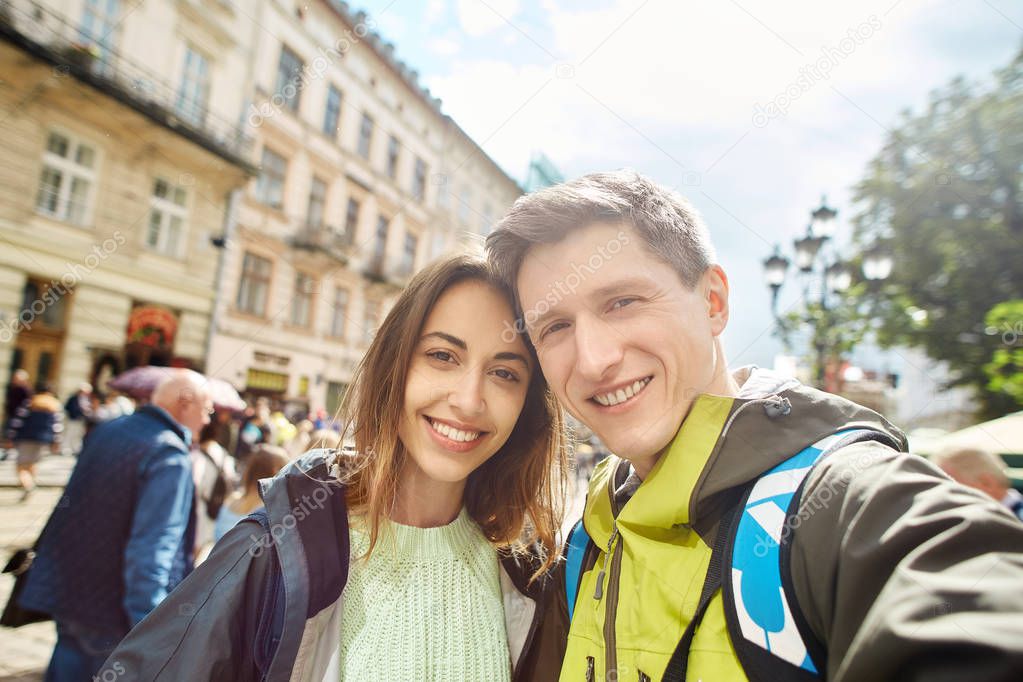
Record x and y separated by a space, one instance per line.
516 497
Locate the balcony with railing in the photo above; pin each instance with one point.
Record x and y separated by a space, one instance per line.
333 241
52 38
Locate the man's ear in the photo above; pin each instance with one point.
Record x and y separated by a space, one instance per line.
715 288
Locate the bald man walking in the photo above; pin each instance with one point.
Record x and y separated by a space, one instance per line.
121 537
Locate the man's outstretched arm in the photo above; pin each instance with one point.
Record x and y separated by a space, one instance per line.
906 574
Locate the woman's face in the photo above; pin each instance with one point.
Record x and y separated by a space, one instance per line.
466 384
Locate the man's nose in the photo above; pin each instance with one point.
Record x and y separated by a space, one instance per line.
598 348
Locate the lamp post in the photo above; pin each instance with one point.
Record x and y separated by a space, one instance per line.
812 257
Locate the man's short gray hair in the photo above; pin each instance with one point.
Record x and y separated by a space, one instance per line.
668 225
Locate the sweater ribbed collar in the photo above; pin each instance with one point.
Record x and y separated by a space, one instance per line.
427 544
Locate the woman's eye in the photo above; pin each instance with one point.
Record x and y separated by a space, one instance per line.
507 375
441 355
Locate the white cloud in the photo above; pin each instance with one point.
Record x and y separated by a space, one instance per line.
480 18
672 91
435 10
444 46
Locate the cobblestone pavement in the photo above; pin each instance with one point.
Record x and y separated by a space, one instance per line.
26 650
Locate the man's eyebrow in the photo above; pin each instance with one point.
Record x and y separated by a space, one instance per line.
453 340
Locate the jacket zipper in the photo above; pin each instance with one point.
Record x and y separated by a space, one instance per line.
611 606
589 669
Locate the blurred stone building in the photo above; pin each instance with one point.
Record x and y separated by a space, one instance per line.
182 185
362 181
120 145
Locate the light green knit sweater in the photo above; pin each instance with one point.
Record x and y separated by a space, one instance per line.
426 605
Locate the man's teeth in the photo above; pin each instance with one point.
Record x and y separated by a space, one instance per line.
454 434
622 394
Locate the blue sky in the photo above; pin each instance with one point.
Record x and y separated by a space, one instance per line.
679 90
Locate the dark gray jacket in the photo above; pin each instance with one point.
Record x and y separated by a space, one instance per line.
266 604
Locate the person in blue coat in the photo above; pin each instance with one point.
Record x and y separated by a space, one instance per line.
121 537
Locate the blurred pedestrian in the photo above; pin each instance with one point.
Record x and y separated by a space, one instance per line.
300 443
264 462
328 439
76 410
122 535
983 470
35 430
215 479
18 391
255 429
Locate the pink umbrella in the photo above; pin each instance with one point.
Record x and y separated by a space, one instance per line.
140 382
225 396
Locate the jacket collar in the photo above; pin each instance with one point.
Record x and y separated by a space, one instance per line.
723 443
164 416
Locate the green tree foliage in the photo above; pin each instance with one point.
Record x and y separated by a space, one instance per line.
945 195
1005 371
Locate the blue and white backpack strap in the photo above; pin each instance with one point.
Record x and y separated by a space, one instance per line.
575 552
763 612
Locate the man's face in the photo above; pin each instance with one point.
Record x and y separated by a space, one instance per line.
624 344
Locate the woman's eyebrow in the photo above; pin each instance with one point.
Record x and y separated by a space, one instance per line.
453 340
507 355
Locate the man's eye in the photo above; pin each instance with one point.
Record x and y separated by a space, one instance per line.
556 327
622 302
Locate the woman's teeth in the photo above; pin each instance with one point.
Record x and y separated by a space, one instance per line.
453 433
622 394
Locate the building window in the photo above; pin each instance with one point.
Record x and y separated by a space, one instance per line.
270 184
369 321
332 116
194 93
380 243
365 136
419 180
443 194
393 151
317 200
408 256
289 77
351 220
67 179
167 214
302 300
254 285
340 316
99 29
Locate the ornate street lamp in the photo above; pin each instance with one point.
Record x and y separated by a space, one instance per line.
775 269
806 250
837 277
824 223
877 263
